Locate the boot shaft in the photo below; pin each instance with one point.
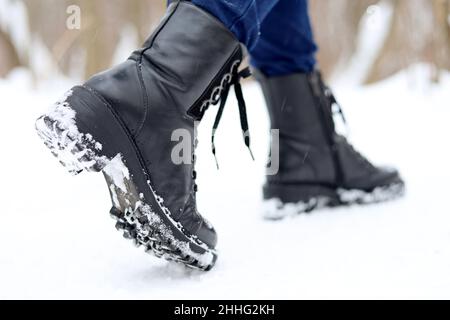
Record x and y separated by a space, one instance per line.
188 55
175 71
293 107
305 143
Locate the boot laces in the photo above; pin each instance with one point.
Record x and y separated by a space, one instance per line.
220 94
322 89
337 109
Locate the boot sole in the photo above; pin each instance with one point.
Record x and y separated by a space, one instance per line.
276 209
72 132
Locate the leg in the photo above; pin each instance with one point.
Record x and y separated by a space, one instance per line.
286 43
242 17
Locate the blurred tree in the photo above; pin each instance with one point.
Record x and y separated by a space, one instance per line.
8 55
419 32
91 48
336 25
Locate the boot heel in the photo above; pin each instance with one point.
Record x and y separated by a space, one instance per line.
68 130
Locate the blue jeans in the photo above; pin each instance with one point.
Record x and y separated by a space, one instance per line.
277 33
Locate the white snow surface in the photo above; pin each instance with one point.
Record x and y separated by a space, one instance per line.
58 241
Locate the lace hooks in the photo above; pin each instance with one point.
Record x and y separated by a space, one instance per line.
337 109
335 103
320 89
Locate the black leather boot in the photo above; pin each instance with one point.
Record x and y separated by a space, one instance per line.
122 122
317 166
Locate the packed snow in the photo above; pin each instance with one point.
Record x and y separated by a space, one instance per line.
58 240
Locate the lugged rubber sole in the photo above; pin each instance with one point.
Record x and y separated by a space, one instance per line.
79 149
276 209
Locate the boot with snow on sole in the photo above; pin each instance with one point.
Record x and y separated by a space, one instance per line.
318 167
121 122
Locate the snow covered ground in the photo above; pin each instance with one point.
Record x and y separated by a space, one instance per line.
58 241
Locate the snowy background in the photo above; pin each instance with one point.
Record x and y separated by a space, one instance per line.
58 240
